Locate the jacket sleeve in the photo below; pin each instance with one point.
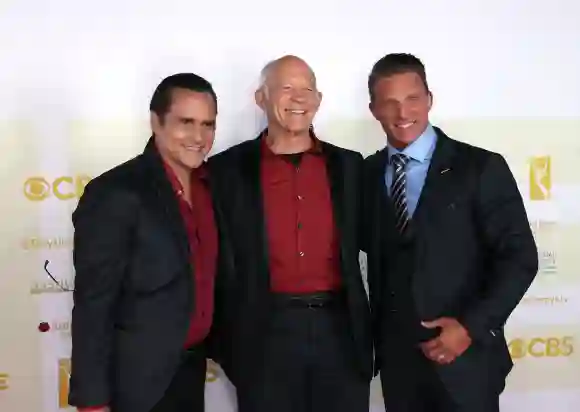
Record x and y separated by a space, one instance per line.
103 224
511 250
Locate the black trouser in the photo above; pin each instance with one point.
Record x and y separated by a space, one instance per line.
187 388
308 362
418 388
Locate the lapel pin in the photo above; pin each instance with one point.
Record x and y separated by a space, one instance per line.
445 170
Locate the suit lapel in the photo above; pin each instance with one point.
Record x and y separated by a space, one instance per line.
439 176
382 204
163 199
335 172
251 168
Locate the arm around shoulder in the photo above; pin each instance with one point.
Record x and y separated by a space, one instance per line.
103 227
509 245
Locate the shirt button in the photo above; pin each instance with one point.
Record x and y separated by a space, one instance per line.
301 253
299 225
300 197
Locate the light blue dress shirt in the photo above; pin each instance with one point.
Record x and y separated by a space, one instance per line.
420 153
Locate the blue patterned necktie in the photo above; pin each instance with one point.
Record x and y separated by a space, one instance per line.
399 191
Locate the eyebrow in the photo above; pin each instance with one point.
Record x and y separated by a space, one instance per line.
192 120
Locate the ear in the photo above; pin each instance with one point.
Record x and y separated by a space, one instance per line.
260 97
372 110
155 122
430 97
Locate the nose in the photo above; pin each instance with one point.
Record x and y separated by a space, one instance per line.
403 112
299 96
197 134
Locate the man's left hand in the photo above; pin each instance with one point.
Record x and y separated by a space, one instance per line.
451 342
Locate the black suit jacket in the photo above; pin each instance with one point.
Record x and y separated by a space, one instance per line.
472 257
238 191
133 287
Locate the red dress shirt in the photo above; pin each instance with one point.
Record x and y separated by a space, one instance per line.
203 244
302 238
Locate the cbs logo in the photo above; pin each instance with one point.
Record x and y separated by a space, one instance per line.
547 347
37 188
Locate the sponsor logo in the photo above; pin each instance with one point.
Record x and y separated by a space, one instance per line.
38 188
547 263
545 300
540 178
541 347
48 286
545 234
62 327
39 242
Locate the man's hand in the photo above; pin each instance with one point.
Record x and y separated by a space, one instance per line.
451 342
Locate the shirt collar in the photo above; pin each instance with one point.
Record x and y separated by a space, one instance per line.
421 149
200 173
315 148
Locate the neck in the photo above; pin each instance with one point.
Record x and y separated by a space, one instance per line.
284 142
182 173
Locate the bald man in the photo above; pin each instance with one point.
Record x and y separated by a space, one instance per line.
294 319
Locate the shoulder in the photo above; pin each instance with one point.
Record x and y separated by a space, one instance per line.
348 156
119 185
375 162
225 158
472 157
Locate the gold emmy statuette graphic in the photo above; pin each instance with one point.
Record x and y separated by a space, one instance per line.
63 382
540 178
4 381
211 374
37 188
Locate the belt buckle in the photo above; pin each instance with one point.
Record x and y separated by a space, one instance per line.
316 304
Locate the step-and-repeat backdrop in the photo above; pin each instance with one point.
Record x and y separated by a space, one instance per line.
76 79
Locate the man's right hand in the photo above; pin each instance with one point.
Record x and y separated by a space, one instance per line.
94 409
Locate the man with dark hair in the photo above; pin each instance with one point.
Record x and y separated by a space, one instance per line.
450 253
145 256
295 331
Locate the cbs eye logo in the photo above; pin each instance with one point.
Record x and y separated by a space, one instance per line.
547 347
37 188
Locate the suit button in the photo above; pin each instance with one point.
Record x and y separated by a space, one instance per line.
393 310
392 293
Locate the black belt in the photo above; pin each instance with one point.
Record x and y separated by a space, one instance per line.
308 300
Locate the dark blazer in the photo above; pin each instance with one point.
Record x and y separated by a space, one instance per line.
238 191
133 287
472 257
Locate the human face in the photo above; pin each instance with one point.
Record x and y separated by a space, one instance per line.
186 133
289 97
401 104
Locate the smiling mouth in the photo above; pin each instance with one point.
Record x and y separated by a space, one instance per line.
194 148
296 112
405 125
